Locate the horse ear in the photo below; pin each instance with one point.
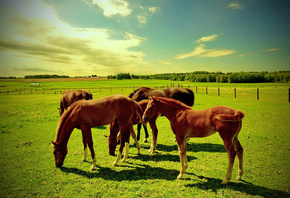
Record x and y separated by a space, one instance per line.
106 136
54 143
150 97
57 108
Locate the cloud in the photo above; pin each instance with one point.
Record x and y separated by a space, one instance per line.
153 9
146 13
35 34
164 62
236 6
200 51
259 51
207 38
113 7
271 50
197 51
217 53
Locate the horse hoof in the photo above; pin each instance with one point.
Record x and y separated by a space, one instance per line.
225 182
145 141
239 178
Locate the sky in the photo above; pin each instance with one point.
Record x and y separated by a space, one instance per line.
107 37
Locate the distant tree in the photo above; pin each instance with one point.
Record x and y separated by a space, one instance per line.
122 76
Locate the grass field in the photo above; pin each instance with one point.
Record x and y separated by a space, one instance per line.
28 123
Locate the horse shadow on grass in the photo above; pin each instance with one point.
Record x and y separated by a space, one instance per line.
191 147
133 173
248 188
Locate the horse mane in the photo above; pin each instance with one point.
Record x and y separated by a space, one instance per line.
171 100
131 94
63 118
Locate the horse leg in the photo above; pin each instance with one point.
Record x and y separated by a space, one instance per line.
239 150
132 132
182 147
87 133
154 131
231 154
139 126
146 133
85 148
123 134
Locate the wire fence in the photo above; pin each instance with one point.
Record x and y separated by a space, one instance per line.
273 93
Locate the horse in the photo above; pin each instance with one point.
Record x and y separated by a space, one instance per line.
182 94
186 122
85 114
69 97
114 129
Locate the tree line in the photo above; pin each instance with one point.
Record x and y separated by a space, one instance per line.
204 76
45 76
197 76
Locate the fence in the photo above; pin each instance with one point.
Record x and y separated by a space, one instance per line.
273 93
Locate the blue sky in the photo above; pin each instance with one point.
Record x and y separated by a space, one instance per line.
103 37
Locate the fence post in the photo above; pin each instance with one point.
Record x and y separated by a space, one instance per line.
235 90
258 94
218 91
206 90
289 94
195 89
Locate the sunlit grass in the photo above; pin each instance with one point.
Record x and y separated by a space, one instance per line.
28 123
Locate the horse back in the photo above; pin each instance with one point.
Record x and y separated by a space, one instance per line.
104 111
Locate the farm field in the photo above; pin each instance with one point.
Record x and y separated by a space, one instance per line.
29 118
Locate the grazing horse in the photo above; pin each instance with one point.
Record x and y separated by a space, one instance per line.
114 129
69 97
184 95
186 122
85 114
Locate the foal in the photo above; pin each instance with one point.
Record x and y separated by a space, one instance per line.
86 114
186 122
69 97
114 129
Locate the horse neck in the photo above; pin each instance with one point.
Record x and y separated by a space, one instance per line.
64 132
169 109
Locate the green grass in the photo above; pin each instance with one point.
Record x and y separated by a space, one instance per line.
28 123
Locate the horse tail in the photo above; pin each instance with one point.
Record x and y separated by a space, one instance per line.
238 116
63 118
191 98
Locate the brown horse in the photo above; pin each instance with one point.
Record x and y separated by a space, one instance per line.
186 122
85 114
184 95
114 129
69 97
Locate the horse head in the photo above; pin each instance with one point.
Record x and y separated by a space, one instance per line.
150 111
59 154
112 142
60 110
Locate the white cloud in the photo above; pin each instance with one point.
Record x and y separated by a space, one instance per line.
35 36
113 7
197 51
200 51
207 38
164 62
153 9
236 6
146 13
142 19
217 53
271 50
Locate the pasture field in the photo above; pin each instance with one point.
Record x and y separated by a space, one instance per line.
29 121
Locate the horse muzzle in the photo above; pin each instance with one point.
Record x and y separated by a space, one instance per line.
58 164
145 118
